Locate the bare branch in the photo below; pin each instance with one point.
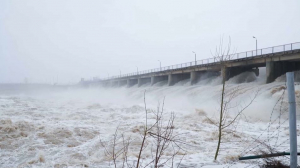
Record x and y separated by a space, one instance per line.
241 111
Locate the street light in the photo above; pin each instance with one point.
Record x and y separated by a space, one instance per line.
120 73
256 44
195 57
159 65
137 70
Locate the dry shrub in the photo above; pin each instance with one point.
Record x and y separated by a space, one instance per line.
4 122
231 158
60 166
137 129
208 121
236 135
274 164
38 158
231 133
94 106
156 140
277 89
134 109
200 112
297 94
270 162
213 136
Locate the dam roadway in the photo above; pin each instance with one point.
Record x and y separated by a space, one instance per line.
277 59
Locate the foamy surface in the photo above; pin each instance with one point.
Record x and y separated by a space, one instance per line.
70 127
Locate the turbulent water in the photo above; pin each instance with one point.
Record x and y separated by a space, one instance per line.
52 126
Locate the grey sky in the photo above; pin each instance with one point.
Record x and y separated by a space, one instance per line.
70 39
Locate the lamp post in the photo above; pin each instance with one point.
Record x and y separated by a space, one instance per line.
256 44
120 73
195 57
137 70
159 65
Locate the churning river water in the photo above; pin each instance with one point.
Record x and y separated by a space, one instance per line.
71 126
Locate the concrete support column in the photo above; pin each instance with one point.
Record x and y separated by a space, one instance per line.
276 69
195 76
108 84
105 84
229 72
171 80
131 82
256 71
128 83
111 83
174 78
116 83
270 71
142 81
122 82
155 79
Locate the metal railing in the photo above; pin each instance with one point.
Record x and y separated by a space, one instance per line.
243 55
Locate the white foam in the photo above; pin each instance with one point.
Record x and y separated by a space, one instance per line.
56 128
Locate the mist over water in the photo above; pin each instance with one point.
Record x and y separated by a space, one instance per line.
53 126
204 95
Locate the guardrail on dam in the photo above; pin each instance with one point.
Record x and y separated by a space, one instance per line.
277 59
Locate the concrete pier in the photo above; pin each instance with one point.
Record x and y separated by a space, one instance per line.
122 83
174 78
142 81
274 69
105 84
114 83
195 77
155 79
234 71
131 82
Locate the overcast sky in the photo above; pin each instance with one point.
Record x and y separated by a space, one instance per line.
66 40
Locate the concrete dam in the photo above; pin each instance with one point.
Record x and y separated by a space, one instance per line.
277 59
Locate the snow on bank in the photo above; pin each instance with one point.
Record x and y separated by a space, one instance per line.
69 127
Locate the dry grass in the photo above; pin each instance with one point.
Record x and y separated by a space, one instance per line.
277 89
208 121
231 158
274 164
200 112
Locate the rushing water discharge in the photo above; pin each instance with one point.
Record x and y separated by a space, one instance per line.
51 126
